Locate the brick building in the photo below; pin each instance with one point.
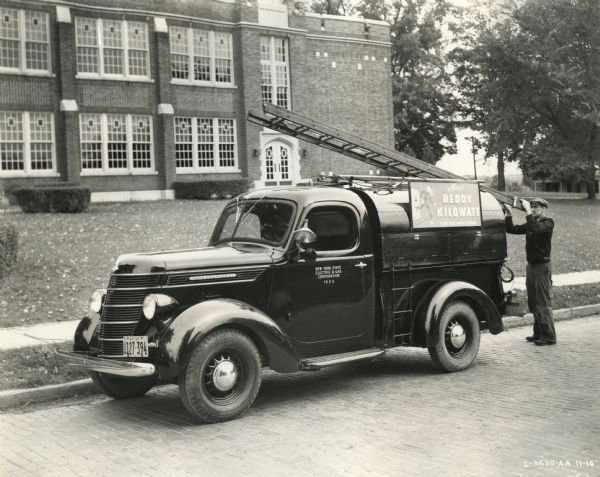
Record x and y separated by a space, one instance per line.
127 97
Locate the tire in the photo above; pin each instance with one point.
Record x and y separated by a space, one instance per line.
458 341
123 387
209 397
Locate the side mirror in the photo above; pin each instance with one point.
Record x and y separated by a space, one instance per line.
305 240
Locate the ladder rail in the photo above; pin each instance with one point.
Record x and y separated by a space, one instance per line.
356 147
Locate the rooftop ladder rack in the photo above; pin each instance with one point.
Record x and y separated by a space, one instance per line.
388 160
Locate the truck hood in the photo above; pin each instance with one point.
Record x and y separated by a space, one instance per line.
226 255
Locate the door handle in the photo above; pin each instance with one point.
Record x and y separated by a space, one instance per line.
361 264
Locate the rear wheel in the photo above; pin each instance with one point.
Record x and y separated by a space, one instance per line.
222 377
123 387
458 340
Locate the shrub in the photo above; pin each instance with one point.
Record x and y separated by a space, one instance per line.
210 189
69 199
8 248
33 200
61 199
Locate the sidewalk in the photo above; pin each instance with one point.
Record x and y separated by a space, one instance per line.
48 333
564 279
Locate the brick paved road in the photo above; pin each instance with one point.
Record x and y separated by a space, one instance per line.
522 410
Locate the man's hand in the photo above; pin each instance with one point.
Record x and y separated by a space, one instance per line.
526 206
507 210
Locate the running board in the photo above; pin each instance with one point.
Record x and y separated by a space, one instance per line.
314 364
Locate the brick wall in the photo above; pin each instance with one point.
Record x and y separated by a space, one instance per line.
357 100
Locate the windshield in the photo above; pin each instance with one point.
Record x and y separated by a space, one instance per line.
263 221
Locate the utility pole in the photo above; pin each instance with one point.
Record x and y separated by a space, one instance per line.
474 151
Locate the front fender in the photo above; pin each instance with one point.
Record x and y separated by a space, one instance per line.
459 290
189 328
86 333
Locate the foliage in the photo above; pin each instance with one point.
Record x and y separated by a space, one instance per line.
487 100
424 105
60 199
546 61
331 7
210 189
9 240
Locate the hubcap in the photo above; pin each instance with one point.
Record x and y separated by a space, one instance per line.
224 376
457 336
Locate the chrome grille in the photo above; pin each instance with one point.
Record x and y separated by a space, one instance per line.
122 310
116 330
134 281
125 297
121 313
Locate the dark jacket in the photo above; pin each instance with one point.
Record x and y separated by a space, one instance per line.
538 237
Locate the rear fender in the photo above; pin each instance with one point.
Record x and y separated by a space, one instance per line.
446 292
187 330
86 333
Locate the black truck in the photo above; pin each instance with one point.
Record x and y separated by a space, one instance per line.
297 279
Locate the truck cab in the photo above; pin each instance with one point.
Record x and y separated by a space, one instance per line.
298 279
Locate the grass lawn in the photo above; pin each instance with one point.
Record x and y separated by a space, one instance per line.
576 239
64 257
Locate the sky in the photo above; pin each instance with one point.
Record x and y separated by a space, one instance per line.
462 162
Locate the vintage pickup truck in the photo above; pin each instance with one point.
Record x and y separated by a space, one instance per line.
297 279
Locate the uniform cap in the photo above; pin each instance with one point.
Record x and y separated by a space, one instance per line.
539 201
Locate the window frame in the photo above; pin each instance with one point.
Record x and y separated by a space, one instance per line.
100 47
104 149
351 211
22 48
216 168
272 63
28 171
212 58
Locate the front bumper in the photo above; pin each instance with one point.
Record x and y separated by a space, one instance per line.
108 366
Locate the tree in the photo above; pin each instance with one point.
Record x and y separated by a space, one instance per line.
550 64
424 104
487 101
331 7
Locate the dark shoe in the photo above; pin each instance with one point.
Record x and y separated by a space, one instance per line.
532 338
544 342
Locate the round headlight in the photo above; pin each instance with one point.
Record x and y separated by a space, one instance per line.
149 306
96 300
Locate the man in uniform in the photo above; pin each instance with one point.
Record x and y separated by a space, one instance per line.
538 245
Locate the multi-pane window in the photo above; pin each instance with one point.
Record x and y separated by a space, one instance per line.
26 143
115 143
112 48
201 56
275 71
24 41
205 144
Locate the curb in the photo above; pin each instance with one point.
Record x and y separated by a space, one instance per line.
563 314
20 397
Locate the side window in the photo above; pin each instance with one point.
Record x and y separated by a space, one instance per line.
335 227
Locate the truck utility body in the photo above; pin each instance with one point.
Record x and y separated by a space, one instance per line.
297 279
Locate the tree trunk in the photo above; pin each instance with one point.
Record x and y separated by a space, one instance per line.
590 183
501 179
591 172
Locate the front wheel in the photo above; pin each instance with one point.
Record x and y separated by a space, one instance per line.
123 387
458 338
221 378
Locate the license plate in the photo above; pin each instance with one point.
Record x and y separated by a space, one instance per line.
135 346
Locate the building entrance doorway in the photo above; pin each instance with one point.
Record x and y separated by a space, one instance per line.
277 157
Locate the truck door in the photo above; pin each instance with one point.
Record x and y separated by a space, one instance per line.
331 296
